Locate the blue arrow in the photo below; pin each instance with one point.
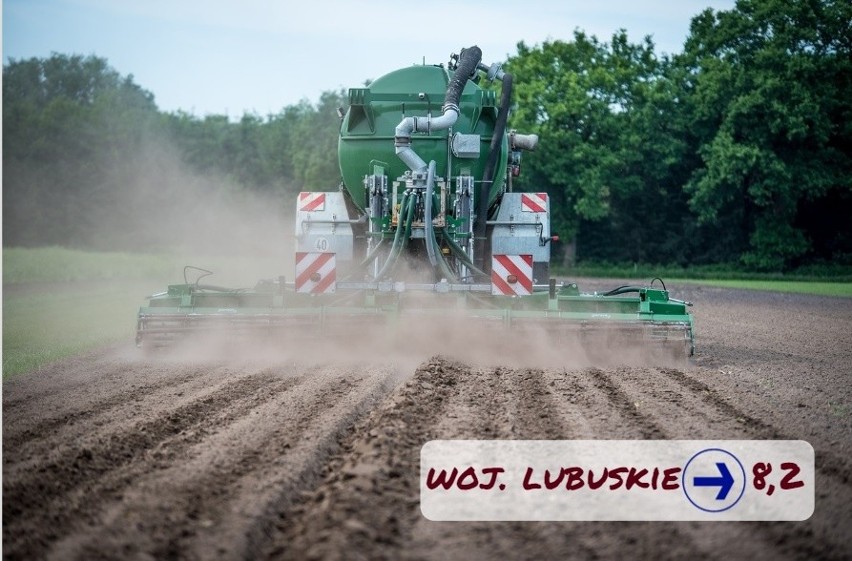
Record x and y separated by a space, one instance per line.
724 483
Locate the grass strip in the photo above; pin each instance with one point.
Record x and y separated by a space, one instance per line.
840 289
40 327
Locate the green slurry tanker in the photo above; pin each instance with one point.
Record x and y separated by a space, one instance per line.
425 227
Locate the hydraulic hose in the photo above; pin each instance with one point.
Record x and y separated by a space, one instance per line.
427 213
409 220
433 248
626 289
462 256
446 271
397 238
468 61
494 153
403 232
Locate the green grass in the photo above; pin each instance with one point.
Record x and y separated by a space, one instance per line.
827 273
823 280
41 326
60 302
842 289
56 264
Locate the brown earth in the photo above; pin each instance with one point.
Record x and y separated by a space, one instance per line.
113 455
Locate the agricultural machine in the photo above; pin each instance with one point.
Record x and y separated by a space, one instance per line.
425 226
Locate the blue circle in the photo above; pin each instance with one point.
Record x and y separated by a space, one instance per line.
742 469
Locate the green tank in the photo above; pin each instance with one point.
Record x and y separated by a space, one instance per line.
367 129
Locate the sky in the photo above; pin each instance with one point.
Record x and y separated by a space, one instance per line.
259 56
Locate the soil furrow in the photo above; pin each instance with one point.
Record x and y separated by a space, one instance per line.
628 409
778 536
369 498
826 461
212 504
534 408
500 403
23 442
74 483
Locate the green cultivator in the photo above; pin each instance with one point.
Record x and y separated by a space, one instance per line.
643 315
424 230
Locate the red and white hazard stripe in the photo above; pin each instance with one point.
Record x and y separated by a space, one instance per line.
511 275
311 202
534 202
316 273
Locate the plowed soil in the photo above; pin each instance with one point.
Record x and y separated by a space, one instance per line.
114 455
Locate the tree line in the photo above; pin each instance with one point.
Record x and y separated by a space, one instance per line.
89 161
735 150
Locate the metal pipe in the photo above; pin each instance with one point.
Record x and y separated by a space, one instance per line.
372 255
402 134
385 286
523 141
409 157
468 62
360 220
510 223
491 72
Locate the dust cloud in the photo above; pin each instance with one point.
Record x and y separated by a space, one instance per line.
208 221
428 325
151 200
415 338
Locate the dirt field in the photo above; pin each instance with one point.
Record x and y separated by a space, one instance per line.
114 456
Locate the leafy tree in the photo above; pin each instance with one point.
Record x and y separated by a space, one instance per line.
767 85
314 142
66 121
609 145
90 161
292 150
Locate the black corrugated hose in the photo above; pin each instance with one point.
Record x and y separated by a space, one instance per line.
491 165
